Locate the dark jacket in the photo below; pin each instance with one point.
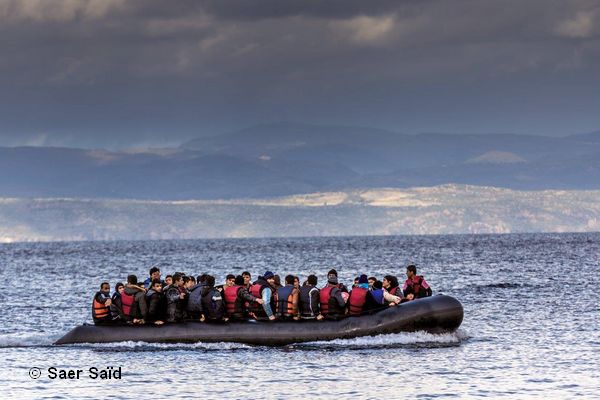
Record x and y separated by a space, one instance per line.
157 306
175 305
337 305
116 309
194 303
212 304
309 302
139 309
374 301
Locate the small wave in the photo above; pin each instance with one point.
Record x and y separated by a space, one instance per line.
26 339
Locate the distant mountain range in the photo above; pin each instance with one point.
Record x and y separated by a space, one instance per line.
437 210
287 158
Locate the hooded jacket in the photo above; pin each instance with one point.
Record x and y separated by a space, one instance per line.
157 306
139 308
175 305
212 304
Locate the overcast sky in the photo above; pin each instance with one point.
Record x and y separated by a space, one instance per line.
114 73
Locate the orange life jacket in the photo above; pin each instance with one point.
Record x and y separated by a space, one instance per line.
99 310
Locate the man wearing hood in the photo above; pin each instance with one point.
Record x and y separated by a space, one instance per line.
263 289
333 274
116 306
213 308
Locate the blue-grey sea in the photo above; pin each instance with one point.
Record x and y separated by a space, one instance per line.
531 326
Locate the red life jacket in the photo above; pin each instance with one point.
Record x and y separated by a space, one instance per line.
257 309
414 286
394 290
127 302
230 295
99 310
324 296
357 299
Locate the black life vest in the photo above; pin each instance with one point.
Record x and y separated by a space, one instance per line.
305 303
285 303
100 311
357 299
233 303
127 301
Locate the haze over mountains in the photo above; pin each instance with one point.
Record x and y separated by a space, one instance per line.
290 158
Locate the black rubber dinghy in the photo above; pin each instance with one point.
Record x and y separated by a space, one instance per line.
436 314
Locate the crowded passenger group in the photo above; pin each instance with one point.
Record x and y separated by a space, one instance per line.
180 297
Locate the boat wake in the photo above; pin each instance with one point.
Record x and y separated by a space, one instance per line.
27 339
394 340
404 339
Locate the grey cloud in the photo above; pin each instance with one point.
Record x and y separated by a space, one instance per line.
124 72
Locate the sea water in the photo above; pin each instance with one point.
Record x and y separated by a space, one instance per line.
531 326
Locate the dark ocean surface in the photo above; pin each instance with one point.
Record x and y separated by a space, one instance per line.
531 326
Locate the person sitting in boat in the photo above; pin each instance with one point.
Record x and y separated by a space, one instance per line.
133 301
247 280
286 298
116 306
341 286
236 296
101 305
194 301
157 305
415 285
308 301
372 280
154 275
333 304
358 296
391 285
176 296
213 308
263 289
375 300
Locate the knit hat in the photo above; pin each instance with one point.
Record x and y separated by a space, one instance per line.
332 272
363 279
268 275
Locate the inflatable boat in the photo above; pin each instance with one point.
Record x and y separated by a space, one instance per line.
436 314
